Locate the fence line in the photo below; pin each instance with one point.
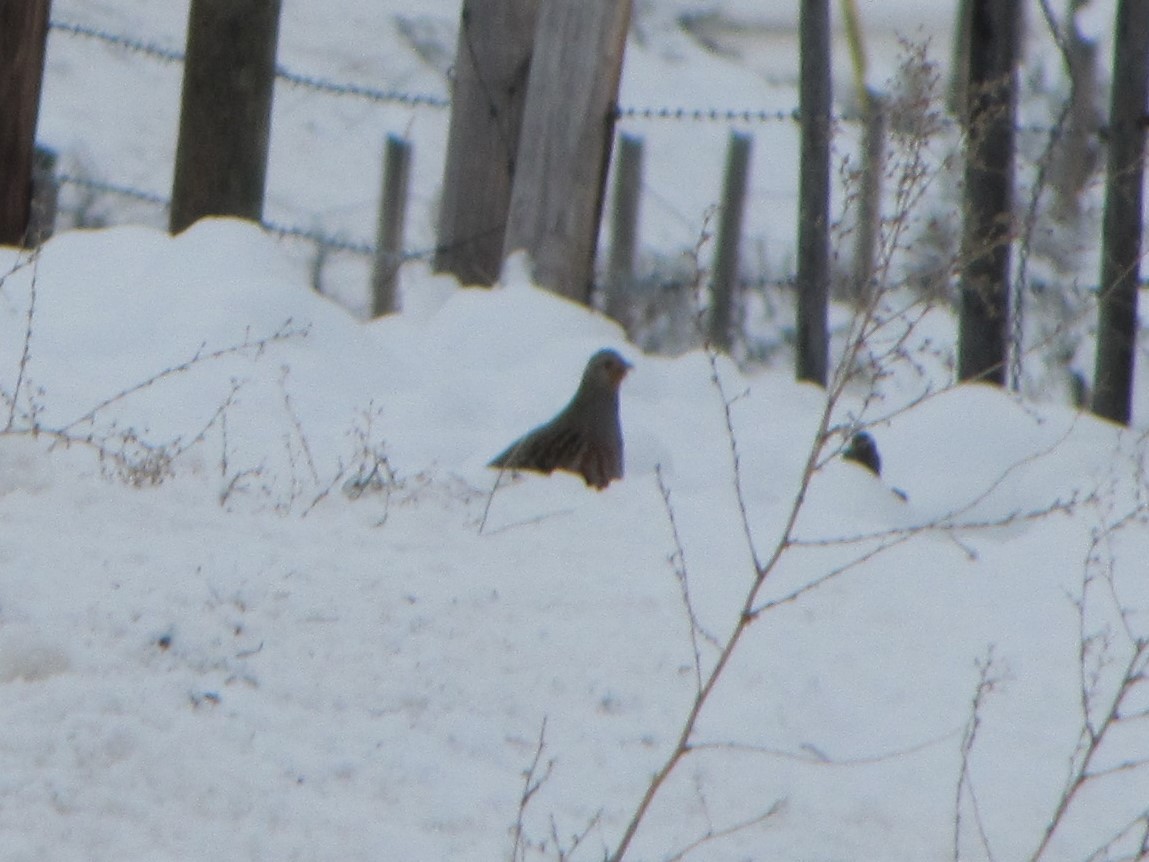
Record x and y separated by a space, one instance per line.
358 248
334 243
297 79
129 44
113 189
366 249
426 100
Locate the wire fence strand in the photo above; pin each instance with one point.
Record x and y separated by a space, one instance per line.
320 84
297 79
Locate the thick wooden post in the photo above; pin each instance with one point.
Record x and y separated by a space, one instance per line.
45 197
987 220
23 38
725 278
225 115
624 228
492 62
814 192
1122 223
869 228
392 217
565 140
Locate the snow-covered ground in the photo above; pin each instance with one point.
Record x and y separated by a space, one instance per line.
261 599
248 660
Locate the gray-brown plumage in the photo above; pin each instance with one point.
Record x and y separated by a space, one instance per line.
585 438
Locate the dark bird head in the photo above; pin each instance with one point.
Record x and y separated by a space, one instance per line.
863 450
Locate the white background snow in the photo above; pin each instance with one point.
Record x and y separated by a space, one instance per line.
243 660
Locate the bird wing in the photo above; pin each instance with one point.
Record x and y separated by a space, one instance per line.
548 448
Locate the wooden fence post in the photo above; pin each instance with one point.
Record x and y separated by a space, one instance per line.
725 277
957 99
45 197
814 192
392 216
567 130
869 226
23 38
987 216
492 62
1122 222
225 114
624 228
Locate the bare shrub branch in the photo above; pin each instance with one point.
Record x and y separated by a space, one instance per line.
1102 700
877 338
678 563
533 780
988 681
249 346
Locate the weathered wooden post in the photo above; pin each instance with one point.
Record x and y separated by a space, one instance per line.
624 228
565 141
724 281
988 212
45 197
392 217
492 62
225 114
23 38
869 226
1122 223
815 101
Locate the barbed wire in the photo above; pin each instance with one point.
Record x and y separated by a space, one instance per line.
712 115
297 79
333 243
371 94
111 188
415 100
328 242
128 43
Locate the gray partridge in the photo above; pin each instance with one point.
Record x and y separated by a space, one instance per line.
585 437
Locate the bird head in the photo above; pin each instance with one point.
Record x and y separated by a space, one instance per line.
604 372
864 450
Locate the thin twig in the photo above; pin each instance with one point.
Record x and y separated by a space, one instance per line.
678 563
532 781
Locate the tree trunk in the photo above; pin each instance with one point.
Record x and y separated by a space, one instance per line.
492 61
1122 222
225 115
987 224
815 98
23 38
